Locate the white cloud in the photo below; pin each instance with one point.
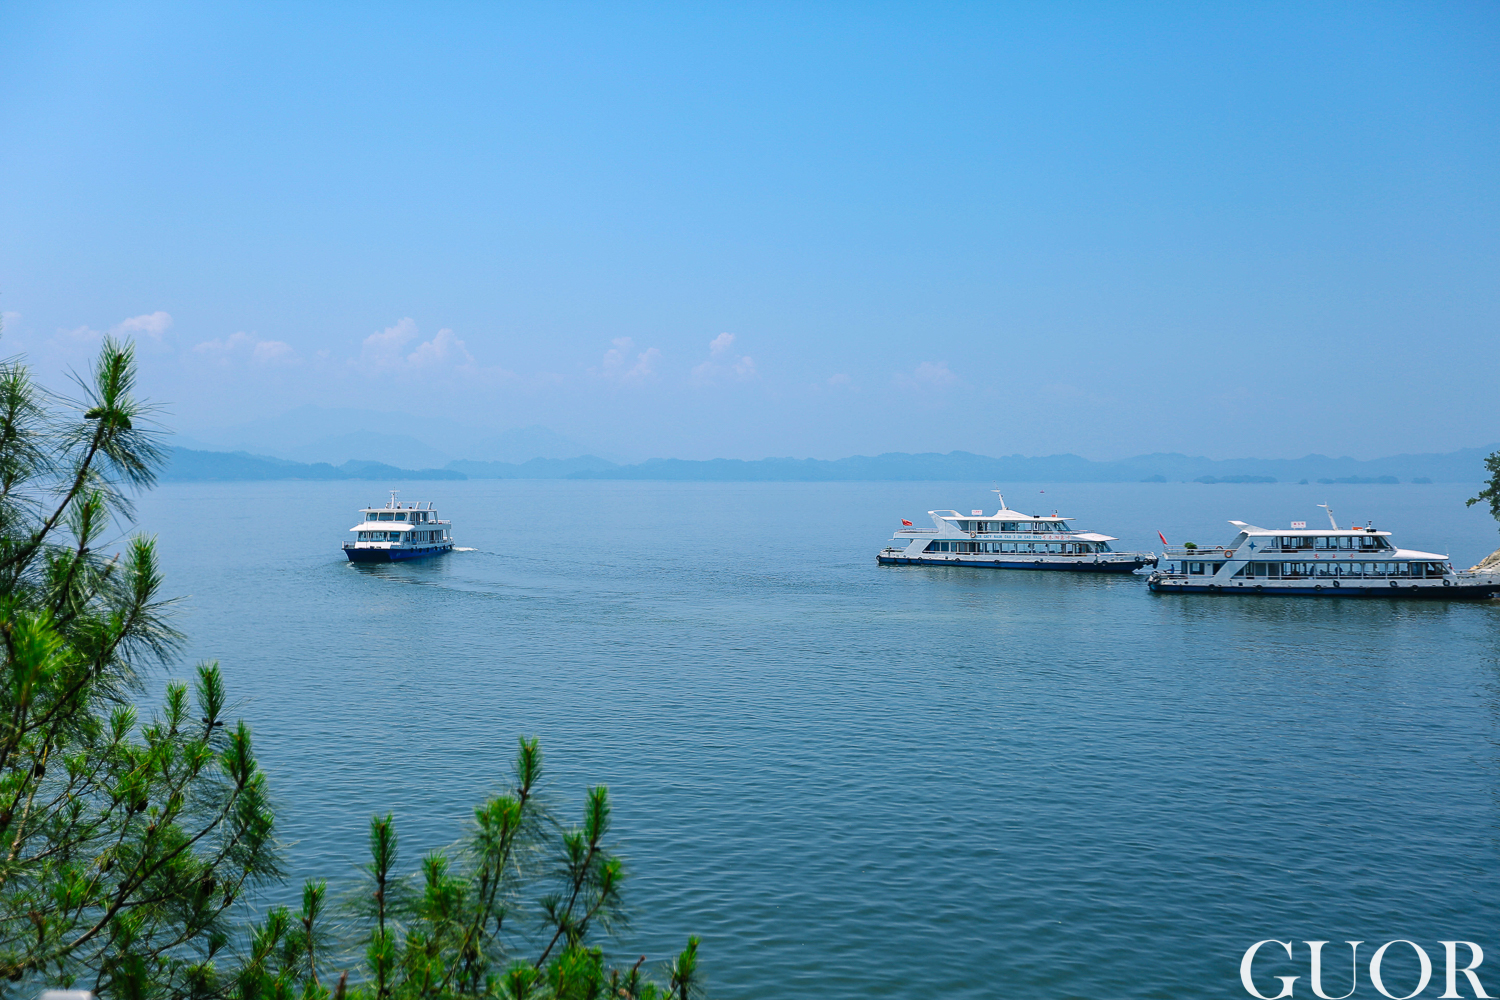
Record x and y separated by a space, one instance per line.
839 379
616 358
387 351
928 375
719 363
152 325
383 350
645 364
149 328
9 320
268 352
241 346
444 350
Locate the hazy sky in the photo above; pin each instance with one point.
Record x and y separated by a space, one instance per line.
761 229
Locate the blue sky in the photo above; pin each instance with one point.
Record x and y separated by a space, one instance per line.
774 229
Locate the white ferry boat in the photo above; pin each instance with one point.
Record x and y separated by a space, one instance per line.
1334 561
398 531
1008 539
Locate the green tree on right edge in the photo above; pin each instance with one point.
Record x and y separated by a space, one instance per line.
1491 492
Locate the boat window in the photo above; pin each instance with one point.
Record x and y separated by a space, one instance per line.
400 517
386 515
1195 568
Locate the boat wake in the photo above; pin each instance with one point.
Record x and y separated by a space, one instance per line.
462 548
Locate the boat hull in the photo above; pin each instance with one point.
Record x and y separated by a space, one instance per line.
1081 565
395 555
1429 592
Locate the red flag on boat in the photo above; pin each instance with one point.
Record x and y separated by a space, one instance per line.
906 522
1162 537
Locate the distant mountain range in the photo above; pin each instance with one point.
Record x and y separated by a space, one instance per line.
189 466
1462 466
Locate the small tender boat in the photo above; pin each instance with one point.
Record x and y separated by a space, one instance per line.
398 531
1008 539
1332 561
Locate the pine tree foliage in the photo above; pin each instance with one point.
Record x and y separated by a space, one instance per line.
123 842
512 913
128 846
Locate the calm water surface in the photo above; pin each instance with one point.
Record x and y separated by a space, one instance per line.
862 781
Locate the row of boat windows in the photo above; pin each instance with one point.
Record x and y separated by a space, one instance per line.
1074 548
988 526
1291 543
418 516
396 536
1302 570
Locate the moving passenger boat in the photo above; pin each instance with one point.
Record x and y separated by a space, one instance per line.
1008 539
1332 561
398 531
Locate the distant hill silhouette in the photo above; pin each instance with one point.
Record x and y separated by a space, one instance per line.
1463 466
187 465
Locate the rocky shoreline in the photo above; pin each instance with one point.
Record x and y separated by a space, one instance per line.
1489 562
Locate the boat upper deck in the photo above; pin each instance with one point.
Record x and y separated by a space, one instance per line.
1004 523
1303 542
396 516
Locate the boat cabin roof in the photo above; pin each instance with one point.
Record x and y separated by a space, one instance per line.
1003 514
1356 531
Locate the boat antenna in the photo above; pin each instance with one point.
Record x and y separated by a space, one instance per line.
1330 516
392 504
1001 496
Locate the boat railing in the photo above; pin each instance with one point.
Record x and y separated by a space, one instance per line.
1197 552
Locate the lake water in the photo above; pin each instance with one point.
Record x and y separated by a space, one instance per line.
863 781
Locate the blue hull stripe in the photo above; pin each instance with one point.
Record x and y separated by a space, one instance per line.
1080 567
1404 592
394 555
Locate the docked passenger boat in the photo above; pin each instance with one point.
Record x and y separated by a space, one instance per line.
1008 539
398 531
1332 561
